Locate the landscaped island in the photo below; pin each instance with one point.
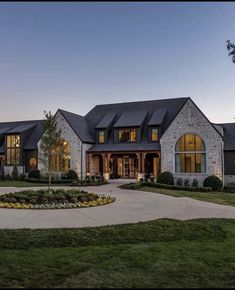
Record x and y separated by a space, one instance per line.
53 199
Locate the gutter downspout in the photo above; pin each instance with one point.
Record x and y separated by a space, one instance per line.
222 156
81 159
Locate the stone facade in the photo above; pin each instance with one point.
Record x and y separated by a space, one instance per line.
191 121
78 149
229 179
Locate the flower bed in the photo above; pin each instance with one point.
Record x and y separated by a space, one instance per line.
53 199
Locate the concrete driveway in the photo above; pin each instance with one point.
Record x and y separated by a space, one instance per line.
129 207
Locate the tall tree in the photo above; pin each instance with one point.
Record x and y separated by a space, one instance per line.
51 143
231 49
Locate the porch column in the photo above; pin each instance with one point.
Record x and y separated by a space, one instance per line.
140 157
106 158
89 157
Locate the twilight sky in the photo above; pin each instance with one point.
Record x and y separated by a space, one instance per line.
76 55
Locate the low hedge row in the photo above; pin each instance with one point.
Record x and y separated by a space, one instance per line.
138 185
45 180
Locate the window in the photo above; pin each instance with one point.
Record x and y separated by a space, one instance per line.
190 155
101 137
33 162
154 134
13 149
60 159
127 135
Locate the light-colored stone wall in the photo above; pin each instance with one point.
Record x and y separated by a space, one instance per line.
78 150
9 169
94 166
191 121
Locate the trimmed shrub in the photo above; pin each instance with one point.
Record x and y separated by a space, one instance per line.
138 185
2 175
15 173
213 181
179 182
34 174
195 182
71 174
166 178
186 182
8 177
21 176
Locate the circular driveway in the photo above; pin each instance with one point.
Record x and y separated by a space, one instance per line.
131 206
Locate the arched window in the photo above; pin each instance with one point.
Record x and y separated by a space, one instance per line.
190 155
60 159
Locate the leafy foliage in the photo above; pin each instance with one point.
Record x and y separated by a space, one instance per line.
34 174
50 141
166 178
213 181
44 196
231 49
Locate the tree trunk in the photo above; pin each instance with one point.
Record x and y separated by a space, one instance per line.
49 181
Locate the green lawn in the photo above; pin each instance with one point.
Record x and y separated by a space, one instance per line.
18 183
161 253
216 197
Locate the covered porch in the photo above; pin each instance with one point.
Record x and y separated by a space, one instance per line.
125 165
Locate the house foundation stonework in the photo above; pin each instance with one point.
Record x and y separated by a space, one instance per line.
135 140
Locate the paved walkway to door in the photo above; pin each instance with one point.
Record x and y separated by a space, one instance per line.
129 207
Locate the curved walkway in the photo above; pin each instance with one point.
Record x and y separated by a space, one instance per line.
130 207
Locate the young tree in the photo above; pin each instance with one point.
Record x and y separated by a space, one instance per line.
51 142
231 49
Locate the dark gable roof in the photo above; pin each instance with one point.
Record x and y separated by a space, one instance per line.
157 117
106 121
79 124
4 129
173 106
31 144
229 136
20 127
131 119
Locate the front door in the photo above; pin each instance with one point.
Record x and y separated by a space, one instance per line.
129 167
123 167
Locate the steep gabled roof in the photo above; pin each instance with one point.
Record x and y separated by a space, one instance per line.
79 124
173 106
20 127
31 144
131 119
157 117
106 121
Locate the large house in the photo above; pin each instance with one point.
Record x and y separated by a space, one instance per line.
128 140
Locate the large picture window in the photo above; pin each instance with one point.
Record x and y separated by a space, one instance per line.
60 159
13 149
127 135
190 155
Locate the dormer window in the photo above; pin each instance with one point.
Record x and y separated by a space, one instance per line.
127 135
154 134
13 149
101 137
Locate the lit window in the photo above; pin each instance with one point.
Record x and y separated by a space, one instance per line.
127 135
13 149
60 159
190 155
101 137
154 134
